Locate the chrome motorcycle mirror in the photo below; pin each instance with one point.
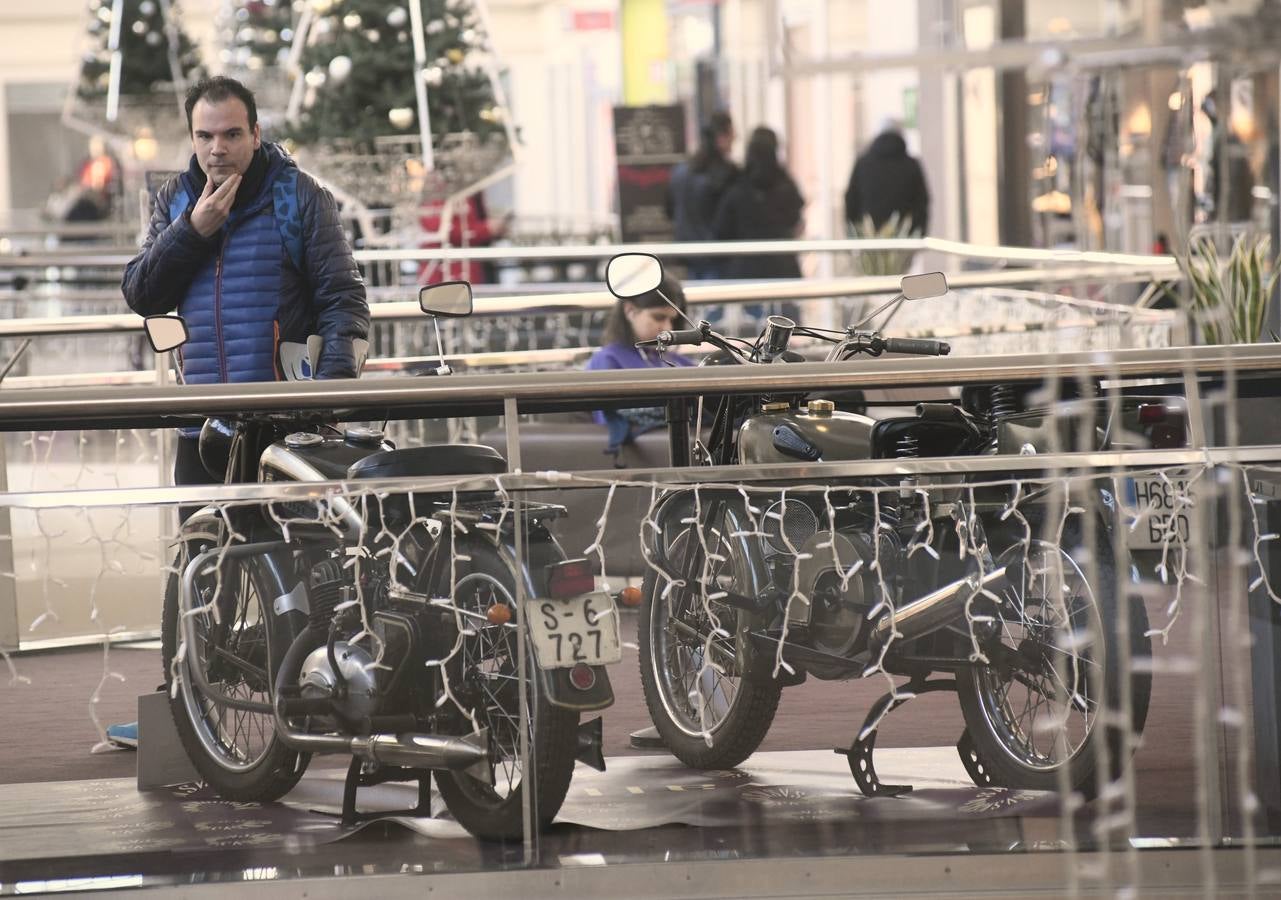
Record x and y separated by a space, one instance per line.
451 299
632 274
166 333
923 286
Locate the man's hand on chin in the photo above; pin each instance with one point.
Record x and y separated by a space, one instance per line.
214 205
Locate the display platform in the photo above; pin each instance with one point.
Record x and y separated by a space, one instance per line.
788 803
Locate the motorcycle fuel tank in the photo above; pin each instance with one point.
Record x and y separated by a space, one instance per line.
835 435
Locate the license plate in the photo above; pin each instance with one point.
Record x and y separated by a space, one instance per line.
1166 517
582 629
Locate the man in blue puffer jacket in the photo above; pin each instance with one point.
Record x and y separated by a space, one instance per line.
249 250
224 260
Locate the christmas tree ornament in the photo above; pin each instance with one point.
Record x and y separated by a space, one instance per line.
400 117
147 7
454 55
324 26
315 78
433 76
154 39
468 36
322 6
397 17
339 68
373 35
139 27
435 26
352 21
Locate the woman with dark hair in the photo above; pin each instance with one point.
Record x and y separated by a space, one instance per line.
764 204
696 188
639 319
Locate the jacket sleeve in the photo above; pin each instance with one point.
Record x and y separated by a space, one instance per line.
921 203
156 279
853 203
338 291
725 225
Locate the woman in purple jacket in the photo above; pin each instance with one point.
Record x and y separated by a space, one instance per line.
638 319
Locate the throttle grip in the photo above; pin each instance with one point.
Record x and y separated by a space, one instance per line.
920 347
693 336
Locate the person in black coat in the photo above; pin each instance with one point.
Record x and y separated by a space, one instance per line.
885 181
764 204
697 186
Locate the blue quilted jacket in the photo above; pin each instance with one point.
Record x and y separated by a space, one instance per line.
239 290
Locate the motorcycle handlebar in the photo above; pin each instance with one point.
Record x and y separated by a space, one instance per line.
920 347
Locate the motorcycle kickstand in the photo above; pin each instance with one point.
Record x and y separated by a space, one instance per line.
859 753
356 779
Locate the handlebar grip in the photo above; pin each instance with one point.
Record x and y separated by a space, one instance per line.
918 346
691 336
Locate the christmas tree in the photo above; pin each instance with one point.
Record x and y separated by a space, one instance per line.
143 46
256 34
359 70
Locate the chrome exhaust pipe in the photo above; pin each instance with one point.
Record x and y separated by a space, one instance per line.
423 751
935 609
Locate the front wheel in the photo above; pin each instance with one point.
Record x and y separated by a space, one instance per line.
1054 667
235 750
484 681
694 651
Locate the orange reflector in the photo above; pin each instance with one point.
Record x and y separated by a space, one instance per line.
630 596
499 614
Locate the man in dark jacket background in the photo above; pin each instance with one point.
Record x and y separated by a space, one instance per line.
885 181
223 261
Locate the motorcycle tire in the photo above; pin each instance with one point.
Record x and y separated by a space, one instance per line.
482 674
1070 676
709 717
236 752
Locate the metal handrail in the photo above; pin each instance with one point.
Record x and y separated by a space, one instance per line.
119 407
1022 255
696 295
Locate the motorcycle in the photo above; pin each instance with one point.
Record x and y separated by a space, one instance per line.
382 626
1009 593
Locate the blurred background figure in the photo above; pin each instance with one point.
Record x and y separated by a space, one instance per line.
763 204
887 186
470 226
695 191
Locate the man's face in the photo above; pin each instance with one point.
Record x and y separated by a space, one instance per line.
222 139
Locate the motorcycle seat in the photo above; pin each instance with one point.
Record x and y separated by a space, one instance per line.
435 459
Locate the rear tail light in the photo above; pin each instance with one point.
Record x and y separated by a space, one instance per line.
1153 413
583 677
570 579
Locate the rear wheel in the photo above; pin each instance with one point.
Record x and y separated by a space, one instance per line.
235 750
1055 668
694 654
483 678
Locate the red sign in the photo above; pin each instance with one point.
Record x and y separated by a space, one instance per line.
593 20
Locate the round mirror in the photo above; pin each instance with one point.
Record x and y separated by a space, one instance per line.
165 332
924 286
451 299
632 274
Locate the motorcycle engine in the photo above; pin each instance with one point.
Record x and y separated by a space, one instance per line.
839 589
357 699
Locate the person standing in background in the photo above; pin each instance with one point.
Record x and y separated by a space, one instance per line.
696 188
887 180
764 204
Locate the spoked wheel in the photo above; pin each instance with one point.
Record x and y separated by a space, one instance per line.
229 732
1053 670
693 651
484 679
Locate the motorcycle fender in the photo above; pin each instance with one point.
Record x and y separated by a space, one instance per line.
560 692
540 550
